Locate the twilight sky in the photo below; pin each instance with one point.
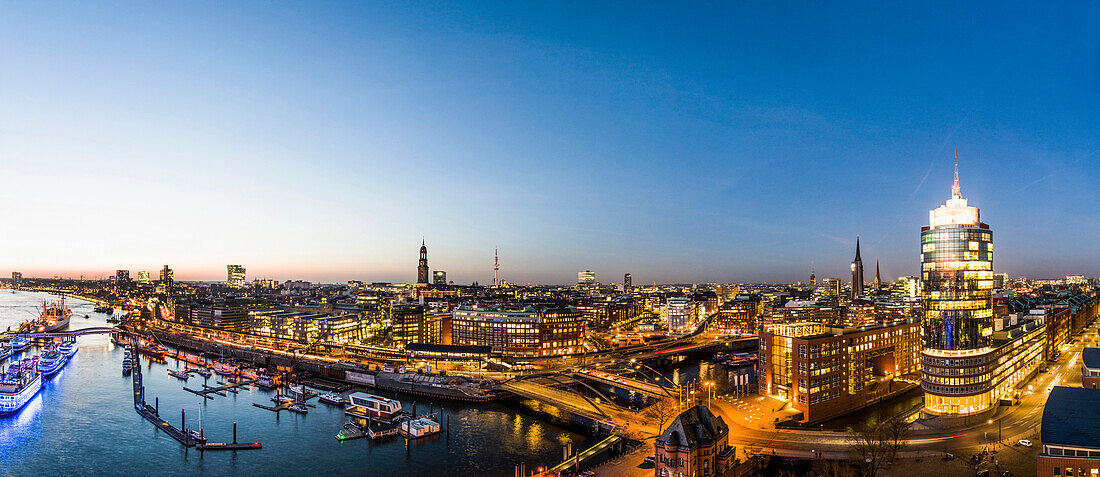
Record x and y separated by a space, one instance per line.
720 142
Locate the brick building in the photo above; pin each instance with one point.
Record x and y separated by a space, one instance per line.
695 444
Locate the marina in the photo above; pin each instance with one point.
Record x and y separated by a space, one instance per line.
82 386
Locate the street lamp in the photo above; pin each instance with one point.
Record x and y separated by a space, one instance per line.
709 385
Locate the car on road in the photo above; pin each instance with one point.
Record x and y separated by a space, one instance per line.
1024 442
649 460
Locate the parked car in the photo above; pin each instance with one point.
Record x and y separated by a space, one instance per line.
649 460
1024 442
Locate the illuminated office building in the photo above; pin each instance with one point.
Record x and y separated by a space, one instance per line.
439 277
520 333
626 282
235 276
143 277
122 277
16 279
967 366
586 278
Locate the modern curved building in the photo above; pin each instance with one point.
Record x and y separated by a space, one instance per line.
967 366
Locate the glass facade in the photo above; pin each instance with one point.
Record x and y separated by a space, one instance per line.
957 282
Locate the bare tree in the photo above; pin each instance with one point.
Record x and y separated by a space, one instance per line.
895 432
661 411
870 444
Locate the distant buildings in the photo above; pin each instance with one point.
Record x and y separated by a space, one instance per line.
586 278
439 277
739 316
626 282
16 279
122 277
235 276
1070 434
143 277
830 371
680 314
407 323
696 443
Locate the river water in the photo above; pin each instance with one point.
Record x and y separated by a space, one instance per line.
83 423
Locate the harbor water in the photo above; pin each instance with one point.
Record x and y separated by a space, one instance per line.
83 423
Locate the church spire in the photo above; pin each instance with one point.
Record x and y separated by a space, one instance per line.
956 191
878 276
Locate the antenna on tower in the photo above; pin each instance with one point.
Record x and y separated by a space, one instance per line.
956 192
496 266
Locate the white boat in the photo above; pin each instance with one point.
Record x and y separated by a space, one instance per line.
281 399
19 385
68 348
299 408
204 372
265 381
332 398
296 388
374 407
19 343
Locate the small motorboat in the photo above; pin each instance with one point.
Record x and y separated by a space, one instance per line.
296 388
204 372
177 374
299 408
332 398
281 399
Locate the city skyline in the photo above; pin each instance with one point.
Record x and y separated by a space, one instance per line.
326 142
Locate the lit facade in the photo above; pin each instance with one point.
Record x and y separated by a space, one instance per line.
234 276
966 369
522 333
828 371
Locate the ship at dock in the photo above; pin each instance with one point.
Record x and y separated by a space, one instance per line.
55 316
19 385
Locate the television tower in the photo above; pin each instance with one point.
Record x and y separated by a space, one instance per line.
496 267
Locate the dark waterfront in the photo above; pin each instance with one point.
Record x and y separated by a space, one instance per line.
83 422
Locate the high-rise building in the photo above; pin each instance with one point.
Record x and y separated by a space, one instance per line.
422 268
496 268
439 277
626 282
235 276
166 275
813 276
857 274
16 279
122 277
143 277
967 365
586 278
680 314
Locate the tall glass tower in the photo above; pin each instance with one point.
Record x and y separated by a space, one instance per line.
957 296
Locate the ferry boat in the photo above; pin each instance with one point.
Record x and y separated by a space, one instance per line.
332 398
19 343
68 348
51 361
54 316
19 385
127 366
373 407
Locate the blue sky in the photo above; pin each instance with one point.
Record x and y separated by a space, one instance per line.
716 142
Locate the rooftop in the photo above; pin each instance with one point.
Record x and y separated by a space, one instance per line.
694 427
1072 418
1091 358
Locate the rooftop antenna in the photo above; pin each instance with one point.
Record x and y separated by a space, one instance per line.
956 192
